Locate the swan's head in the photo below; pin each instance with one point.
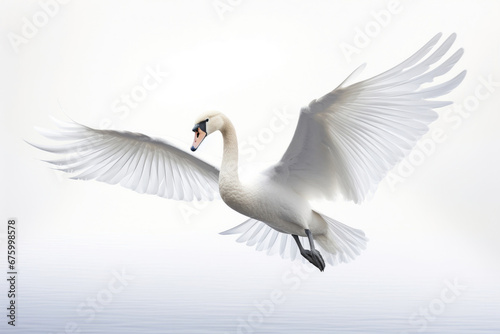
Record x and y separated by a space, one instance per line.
206 124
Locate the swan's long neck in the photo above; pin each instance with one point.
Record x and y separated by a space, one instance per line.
229 168
229 182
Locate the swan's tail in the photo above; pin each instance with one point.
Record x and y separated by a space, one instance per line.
341 243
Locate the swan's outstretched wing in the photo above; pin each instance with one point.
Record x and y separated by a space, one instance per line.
347 141
133 160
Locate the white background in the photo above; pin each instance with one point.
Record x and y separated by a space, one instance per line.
249 62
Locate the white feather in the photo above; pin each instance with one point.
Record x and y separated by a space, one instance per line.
347 141
143 164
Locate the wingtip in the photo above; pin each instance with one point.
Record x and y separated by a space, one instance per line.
436 37
27 142
451 39
460 77
347 81
34 145
44 132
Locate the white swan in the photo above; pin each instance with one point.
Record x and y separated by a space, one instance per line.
344 144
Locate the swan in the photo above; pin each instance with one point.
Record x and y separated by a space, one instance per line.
344 144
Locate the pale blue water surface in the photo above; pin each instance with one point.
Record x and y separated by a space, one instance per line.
126 285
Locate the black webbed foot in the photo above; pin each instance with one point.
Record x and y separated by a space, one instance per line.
312 255
315 258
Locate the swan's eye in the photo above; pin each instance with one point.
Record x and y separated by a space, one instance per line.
200 128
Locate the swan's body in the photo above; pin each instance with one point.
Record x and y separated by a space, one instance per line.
263 198
344 144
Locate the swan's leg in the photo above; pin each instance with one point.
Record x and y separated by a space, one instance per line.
312 255
296 238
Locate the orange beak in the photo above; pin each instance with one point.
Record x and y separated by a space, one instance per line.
199 135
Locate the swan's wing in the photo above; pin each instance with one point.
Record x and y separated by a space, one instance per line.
347 141
264 238
133 160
